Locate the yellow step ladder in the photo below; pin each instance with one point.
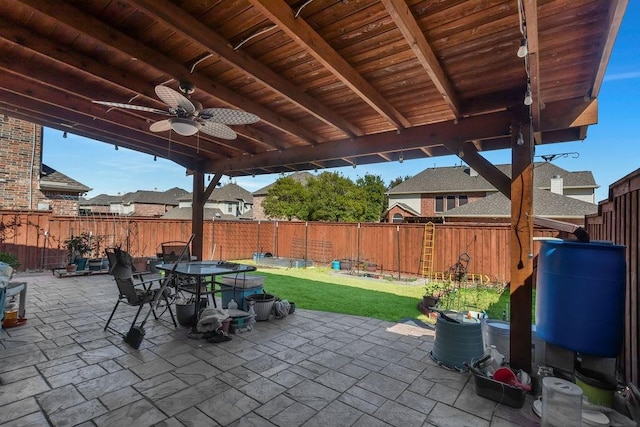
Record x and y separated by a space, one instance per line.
428 242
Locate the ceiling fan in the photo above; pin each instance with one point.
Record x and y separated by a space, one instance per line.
188 116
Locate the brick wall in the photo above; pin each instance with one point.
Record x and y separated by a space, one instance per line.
20 162
143 209
20 165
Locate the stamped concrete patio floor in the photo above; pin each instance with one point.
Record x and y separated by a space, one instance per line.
309 369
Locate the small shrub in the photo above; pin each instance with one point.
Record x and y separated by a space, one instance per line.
10 259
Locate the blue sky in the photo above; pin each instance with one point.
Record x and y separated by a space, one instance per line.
611 150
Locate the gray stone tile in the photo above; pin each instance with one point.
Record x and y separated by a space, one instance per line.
330 359
107 383
336 381
399 415
291 356
312 394
419 403
262 390
266 365
368 421
382 385
78 414
65 349
60 398
73 365
20 390
77 376
447 416
166 388
183 359
354 371
293 416
195 372
228 406
287 378
119 398
18 374
336 414
193 417
22 360
101 354
251 420
152 369
34 419
18 409
140 414
400 373
191 396
362 399
274 406
443 393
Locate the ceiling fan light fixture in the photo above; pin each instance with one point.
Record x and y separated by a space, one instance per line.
184 127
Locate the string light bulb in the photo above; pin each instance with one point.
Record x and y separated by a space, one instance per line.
64 134
528 99
116 148
155 158
520 139
523 50
401 158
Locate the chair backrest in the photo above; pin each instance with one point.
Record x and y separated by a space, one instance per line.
120 263
171 251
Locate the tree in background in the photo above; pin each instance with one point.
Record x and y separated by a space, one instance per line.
285 199
328 196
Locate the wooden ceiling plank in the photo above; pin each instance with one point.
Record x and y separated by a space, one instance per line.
402 16
281 14
92 27
200 34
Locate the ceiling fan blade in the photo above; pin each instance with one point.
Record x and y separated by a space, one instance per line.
228 116
175 99
160 126
218 130
132 107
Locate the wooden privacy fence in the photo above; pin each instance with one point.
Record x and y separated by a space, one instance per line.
37 239
617 221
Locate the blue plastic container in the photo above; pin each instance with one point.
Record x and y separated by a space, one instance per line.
580 296
335 265
239 295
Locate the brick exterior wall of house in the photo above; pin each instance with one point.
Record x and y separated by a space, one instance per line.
258 210
20 162
428 201
20 166
144 209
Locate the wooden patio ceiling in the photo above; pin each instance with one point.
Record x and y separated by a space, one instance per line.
334 83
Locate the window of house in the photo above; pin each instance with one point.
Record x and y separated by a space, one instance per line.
462 200
229 208
451 202
439 204
398 218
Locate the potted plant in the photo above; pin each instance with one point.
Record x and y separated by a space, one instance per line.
96 260
433 291
77 248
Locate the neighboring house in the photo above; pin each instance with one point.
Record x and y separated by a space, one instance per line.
261 194
546 204
25 182
137 203
435 191
228 202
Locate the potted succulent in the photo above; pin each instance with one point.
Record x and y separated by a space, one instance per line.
77 248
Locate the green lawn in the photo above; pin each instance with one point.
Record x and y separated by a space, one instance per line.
324 289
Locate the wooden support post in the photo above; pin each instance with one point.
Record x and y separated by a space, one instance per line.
197 214
521 246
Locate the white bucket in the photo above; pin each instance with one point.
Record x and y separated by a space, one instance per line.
497 332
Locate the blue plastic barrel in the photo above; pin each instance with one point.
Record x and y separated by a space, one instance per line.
580 296
335 265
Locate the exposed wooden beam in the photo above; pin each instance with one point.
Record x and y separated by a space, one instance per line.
413 34
533 59
96 30
202 35
279 12
486 169
490 125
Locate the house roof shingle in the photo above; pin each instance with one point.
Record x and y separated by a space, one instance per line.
52 180
545 203
228 193
462 179
169 197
